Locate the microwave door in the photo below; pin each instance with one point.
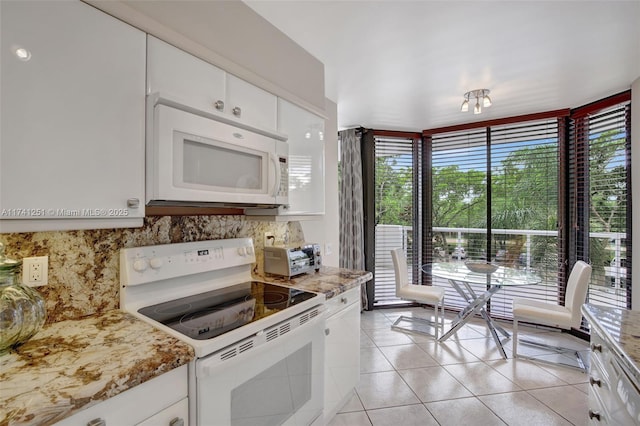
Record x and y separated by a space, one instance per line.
197 159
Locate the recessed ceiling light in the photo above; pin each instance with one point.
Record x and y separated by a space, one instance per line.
22 54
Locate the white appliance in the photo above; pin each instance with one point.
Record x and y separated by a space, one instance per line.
259 347
199 158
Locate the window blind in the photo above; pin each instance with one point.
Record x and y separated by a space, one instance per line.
395 213
524 208
600 160
495 197
459 201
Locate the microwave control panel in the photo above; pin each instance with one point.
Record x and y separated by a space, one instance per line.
283 190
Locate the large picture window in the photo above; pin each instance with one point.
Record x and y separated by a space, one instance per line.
536 193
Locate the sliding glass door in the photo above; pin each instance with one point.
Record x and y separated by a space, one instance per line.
397 201
494 195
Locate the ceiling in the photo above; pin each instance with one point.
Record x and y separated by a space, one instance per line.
404 65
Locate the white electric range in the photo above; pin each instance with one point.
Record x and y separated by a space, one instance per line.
259 347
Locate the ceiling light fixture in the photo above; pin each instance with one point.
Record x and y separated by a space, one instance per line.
478 94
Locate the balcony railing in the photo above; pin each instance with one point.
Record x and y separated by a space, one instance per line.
607 287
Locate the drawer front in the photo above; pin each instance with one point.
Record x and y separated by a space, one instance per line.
612 393
597 415
600 380
342 300
136 404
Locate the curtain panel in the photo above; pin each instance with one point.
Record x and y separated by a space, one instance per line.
351 205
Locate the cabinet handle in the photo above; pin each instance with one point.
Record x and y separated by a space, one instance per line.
344 300
219 105
177 421
97 422
237 111
596 347
594 381
133 203
327 331
594 415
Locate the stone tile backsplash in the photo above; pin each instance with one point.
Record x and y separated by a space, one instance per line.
84 265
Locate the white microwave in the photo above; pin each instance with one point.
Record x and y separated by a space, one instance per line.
198 158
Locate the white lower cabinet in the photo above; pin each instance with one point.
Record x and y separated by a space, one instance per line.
614 396
342 351
161 401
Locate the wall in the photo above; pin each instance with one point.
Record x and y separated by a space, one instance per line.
327 231
84 265
635 192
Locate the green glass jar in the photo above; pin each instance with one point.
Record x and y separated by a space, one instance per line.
22 309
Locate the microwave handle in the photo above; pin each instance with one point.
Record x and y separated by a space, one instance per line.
276 186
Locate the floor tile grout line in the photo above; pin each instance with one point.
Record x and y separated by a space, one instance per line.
487 362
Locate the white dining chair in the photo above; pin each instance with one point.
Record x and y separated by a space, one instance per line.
550 314
428 295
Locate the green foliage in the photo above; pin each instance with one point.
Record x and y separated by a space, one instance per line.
394 195
524 188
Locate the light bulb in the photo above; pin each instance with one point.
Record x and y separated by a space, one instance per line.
465 106
307 135
23 54
486 101
477 109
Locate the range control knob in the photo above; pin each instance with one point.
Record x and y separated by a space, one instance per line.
140 265
242 251
250 250
155 263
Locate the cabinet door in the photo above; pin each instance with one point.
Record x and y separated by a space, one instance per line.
342 357
256 107
72 124
184 78
305 133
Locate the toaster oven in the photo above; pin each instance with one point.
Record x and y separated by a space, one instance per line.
293 259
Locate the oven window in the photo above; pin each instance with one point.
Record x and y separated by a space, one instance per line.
274 395
213 165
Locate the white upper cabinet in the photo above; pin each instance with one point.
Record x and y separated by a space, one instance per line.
305 133
250 103
181 77
72 124
184 78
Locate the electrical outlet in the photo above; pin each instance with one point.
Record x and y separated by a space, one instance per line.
328 249
269 239
35 271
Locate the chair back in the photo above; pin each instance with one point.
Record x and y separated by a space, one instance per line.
400 267
577 291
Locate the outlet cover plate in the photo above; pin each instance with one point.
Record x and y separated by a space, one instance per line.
35 271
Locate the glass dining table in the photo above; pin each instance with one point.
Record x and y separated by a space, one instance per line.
461 279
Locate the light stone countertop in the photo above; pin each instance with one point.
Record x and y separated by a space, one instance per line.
329 280
621 329
74 364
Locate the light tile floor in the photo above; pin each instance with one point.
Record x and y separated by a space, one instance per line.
411 379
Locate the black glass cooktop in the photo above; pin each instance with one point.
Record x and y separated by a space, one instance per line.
210 314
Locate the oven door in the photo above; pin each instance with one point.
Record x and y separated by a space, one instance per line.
198 159
273 378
